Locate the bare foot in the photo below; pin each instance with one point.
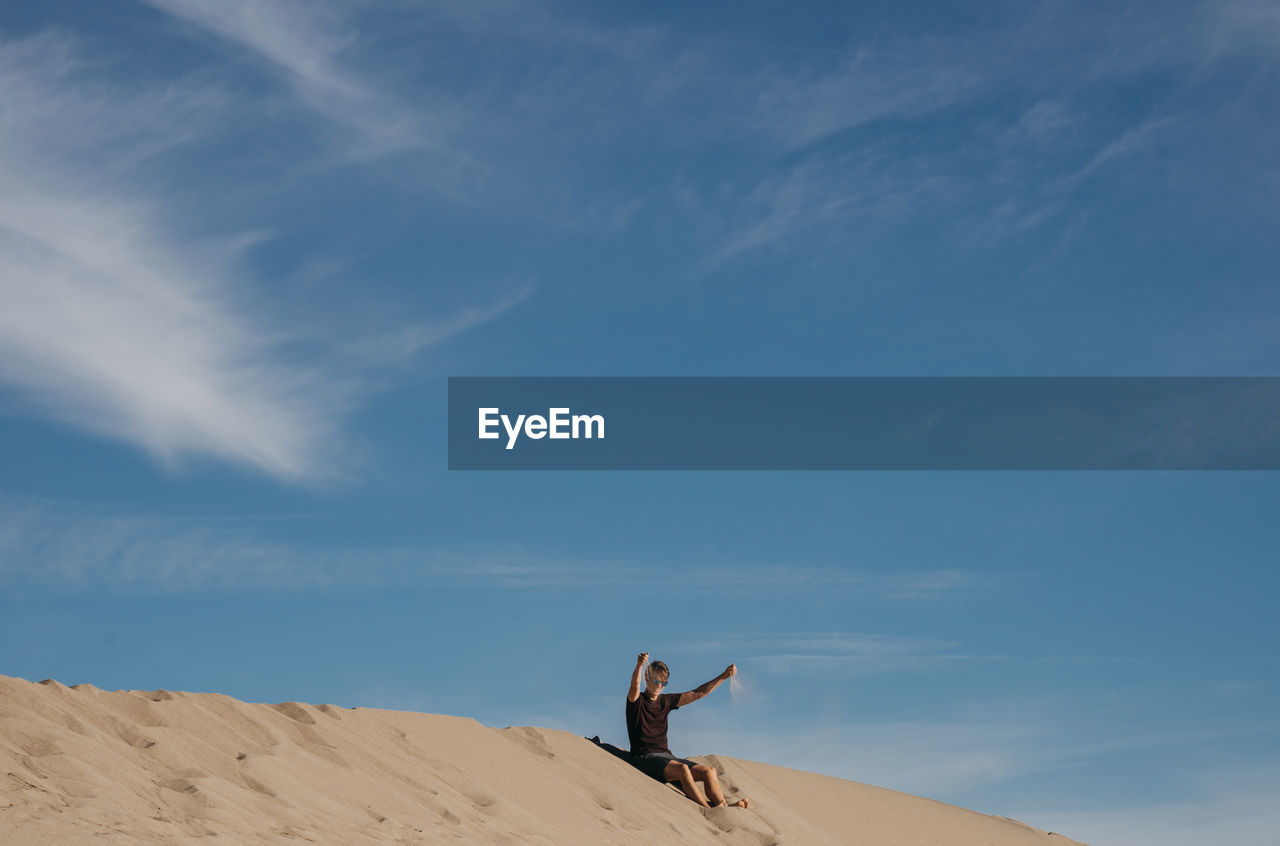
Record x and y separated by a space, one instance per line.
741 803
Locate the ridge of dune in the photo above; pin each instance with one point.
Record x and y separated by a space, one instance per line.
83 765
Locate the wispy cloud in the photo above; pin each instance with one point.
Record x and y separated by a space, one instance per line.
524 572
852 198
114 322
108 325
993 172
304 43
851 652
544 129
481 129
81 546
401 343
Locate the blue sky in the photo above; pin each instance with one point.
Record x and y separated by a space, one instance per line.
243 245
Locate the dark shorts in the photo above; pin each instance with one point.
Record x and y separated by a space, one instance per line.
654 763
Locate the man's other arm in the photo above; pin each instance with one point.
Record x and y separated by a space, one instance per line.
703 689
633 692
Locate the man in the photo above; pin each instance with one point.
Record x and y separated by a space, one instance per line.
647 712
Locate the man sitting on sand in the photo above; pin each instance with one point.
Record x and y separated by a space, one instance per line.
647 712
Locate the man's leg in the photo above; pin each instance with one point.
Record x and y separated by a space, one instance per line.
677 771
707 775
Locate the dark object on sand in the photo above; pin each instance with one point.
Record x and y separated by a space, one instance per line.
611 749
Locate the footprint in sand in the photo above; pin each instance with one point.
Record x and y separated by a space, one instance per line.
141 711
485 801
76 726
180 785
235 715
40 747
257 786
129 733
530 738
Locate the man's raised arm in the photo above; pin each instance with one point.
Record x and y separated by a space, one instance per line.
703 689
633 693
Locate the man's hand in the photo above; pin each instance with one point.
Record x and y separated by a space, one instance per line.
731 670
641 659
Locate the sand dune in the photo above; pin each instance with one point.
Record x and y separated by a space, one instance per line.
83 765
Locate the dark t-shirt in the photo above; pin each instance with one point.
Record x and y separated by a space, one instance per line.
647 722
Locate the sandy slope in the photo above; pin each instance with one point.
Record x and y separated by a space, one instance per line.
83 765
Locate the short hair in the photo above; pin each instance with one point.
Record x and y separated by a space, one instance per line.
654 669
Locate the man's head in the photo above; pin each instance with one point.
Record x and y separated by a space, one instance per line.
655 677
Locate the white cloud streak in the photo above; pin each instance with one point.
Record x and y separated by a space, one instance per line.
305 42
526 137
78 547
403 342
847 653
114 323
847 193
106 324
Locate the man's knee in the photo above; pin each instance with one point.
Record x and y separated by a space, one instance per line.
702 772
676 771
